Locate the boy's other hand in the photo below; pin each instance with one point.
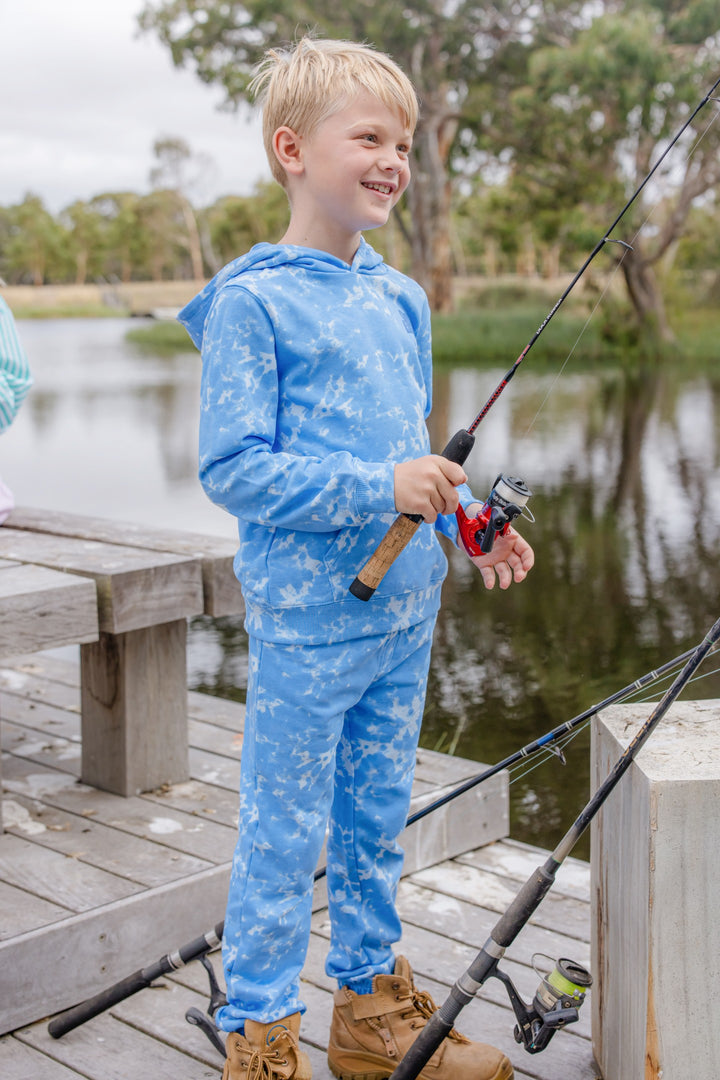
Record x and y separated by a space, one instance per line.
427 485
511 559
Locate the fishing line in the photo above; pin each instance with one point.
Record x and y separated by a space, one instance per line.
616 269
544 754
524 768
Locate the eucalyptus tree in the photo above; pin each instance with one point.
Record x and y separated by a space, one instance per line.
85 228
178 170
593 116
165 253
124 243
35 244
236 222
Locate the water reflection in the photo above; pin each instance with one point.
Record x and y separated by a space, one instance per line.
628 515
627 506
108 429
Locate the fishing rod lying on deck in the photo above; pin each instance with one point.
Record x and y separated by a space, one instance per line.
198 948
561 993
511 491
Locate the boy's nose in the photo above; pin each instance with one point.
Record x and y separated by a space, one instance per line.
392 162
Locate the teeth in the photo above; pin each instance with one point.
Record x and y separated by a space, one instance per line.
384 188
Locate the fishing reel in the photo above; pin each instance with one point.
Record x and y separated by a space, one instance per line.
507 501
556 1004
206 1021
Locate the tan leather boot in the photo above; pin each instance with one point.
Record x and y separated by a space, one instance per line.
267 1052
371 1033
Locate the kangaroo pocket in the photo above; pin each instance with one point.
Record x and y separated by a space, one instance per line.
297 572
294 569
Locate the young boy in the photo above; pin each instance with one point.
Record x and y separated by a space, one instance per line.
316 387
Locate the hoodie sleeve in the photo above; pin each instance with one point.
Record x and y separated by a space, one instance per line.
239 468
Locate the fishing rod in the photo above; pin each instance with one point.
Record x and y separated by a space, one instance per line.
562 990
546 741
199 947
405 526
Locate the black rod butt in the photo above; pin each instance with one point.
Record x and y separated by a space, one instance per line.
360 590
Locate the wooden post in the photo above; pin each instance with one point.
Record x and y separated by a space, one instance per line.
134 709
655 884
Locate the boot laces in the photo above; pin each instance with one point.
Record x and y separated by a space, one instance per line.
422 1004
263 1064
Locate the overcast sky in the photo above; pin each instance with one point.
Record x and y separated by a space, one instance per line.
83 98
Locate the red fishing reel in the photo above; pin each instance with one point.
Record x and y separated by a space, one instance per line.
507 500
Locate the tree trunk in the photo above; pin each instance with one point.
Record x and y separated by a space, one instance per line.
429 204
81 265
193 234
551 261
646 297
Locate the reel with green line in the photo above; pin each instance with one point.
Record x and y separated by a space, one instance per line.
556 1004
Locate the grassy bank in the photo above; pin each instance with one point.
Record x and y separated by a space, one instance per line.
494 322
480 337
97 301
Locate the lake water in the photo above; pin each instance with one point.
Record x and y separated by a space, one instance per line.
624 471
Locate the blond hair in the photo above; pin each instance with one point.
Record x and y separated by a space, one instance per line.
303 85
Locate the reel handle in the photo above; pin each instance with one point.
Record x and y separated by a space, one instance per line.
403 528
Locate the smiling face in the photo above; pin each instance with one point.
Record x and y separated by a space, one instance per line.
346 175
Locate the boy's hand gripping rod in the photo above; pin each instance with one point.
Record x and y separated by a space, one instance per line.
405 526
529 898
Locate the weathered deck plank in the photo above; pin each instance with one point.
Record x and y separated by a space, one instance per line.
102 846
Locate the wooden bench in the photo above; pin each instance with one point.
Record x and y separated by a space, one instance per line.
43 609
134 675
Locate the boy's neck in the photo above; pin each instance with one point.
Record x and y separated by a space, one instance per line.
339 244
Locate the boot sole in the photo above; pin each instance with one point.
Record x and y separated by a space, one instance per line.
351 1074
505 1072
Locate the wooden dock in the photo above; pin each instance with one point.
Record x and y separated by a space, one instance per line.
80 869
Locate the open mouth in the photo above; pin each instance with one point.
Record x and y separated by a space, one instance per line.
383 189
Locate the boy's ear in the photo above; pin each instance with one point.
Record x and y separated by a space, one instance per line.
287 146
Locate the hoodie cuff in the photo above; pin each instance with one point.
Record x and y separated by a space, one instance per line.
375 489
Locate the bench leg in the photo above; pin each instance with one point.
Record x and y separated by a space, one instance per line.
134 709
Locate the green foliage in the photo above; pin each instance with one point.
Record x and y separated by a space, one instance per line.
34 246
497 332
497 325
163 337
237 222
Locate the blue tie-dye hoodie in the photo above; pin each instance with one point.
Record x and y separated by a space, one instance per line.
316 380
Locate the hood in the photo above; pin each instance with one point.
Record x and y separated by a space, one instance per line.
267 257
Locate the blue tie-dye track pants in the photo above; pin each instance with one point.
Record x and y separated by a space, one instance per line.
330 736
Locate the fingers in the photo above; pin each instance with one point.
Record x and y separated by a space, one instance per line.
511 559
426 486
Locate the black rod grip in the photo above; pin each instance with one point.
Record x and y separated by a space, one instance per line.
76 1016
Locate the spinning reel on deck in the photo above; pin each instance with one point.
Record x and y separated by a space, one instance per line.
556 1004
